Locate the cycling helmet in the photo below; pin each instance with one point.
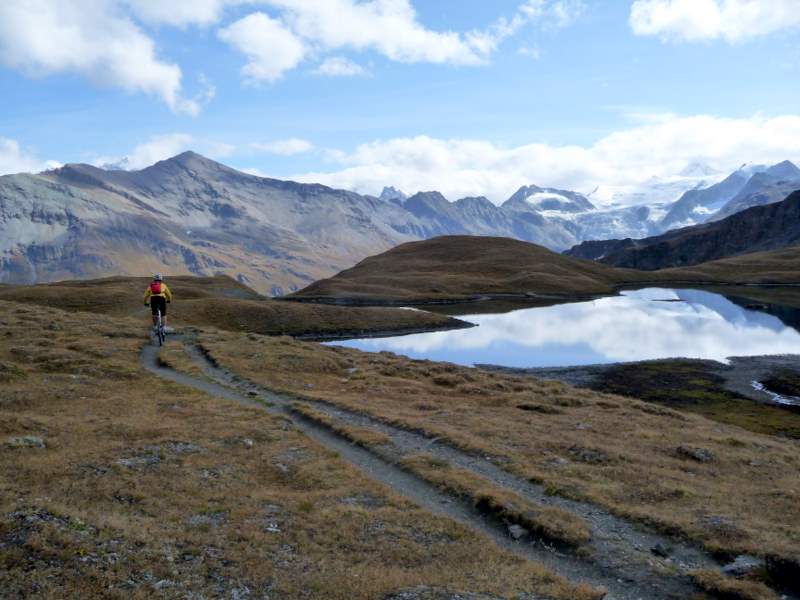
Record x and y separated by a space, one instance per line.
157 277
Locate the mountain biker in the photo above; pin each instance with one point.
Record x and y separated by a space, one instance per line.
158 296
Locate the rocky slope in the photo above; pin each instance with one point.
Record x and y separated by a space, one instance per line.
761 228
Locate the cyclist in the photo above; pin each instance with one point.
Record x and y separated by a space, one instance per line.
158 296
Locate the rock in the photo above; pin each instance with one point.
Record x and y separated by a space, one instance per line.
517 532
587 455
252 393
744 565
661 550
248 443
697 454
308 386
26 441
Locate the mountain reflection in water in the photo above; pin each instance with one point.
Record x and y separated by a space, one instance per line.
638 325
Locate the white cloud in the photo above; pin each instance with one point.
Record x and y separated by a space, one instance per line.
388 27
14 159
339 66
697 20
179 13
270 47
157 148
287 147
92 38
663 147
532 52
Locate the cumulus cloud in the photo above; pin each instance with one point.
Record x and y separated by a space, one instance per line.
697 20
663 147
179 13
339 66
13 159
271 48
388 27
93 39
287 147
157 148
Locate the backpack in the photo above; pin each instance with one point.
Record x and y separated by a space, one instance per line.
155 288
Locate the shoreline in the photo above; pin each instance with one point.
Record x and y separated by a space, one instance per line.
523 296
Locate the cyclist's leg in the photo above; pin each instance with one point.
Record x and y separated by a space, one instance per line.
154 310
164 312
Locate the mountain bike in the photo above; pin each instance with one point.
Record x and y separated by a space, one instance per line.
160 330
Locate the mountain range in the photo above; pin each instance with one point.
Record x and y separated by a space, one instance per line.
192 215
767 227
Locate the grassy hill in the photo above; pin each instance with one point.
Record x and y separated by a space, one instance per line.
220 302
464 266
773 267
461 267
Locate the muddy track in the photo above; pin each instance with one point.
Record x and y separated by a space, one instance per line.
619 557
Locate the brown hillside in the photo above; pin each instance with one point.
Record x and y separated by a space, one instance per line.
220 302
464 266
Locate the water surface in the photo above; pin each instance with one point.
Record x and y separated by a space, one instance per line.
637 325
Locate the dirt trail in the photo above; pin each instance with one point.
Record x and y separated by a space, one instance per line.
620 557
618 546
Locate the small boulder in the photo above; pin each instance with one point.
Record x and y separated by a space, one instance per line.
517 532
26 441
696 454
744 565
661 551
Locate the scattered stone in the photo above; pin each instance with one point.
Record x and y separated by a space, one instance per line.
583 426
697 454
248 443
587 455
661 551
209 519
308 386
183 447
744 565
364 500
557 461
517 532
424 592
252 393
26 441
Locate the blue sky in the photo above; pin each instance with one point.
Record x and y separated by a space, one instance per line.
570 93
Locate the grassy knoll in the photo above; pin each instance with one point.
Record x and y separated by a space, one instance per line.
117 484
459 267
463 266
220 302
625 454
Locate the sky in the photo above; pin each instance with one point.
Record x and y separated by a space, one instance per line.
467 97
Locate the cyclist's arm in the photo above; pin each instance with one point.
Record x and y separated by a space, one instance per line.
147 294
167 293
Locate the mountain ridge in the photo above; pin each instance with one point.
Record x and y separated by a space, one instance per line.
760 228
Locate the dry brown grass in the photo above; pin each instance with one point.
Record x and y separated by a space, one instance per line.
222 303
147 488
452 267
614 451
555 524
360 436
463 266
728 588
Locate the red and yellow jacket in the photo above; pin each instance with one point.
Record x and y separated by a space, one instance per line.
157 289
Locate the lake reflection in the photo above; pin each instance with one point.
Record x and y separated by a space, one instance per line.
638 325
